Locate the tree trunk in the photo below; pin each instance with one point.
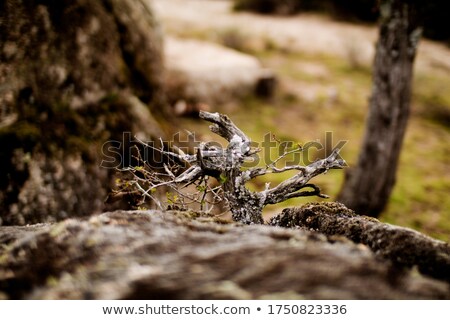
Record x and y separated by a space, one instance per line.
368 186
74 74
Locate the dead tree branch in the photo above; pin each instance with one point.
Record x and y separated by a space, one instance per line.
226 166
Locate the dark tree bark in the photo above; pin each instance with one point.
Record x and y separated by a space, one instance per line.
368 186
73 75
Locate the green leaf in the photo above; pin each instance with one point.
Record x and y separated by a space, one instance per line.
222 178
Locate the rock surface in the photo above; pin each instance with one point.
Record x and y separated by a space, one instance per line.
73 75
184 255
206 72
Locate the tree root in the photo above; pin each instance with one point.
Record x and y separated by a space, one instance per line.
404 247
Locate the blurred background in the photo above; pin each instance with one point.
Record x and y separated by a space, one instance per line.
294 68
321 54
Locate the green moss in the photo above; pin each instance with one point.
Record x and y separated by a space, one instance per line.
52 281
58 230
3 258
190 214
21 133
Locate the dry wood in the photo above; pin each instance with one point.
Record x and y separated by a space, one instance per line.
226 166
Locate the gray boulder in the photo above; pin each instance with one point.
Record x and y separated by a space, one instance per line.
185 255
201 71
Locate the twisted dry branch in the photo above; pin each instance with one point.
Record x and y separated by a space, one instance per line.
226 166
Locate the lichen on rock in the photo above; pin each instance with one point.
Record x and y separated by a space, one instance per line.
82 74
180 255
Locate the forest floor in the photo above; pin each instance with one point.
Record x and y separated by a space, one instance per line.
324 75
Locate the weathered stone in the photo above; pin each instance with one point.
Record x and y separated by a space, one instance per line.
73 75
184 255
207 72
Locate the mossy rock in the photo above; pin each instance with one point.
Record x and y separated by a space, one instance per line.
175 255
84 74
